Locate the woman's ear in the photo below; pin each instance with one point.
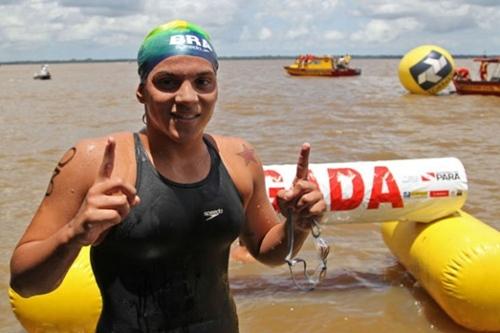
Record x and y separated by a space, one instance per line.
139 93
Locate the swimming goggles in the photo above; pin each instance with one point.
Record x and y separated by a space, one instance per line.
311 280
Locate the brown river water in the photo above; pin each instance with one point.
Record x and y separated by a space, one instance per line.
370 117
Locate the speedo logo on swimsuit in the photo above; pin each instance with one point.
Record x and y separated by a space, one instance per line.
192 41
211 214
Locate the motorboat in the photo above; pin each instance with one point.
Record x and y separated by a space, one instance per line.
488 82
310 65
43 74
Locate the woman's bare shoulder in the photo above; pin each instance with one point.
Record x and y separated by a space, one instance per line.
90 148
239 155
83 159
232 144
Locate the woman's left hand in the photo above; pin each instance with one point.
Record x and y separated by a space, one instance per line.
303 198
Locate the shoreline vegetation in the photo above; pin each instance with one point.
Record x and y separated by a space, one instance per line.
266 57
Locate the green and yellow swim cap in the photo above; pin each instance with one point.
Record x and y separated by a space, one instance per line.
177 37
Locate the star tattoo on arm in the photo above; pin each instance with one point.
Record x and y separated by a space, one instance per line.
248 155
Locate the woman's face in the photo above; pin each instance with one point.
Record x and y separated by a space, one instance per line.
179 95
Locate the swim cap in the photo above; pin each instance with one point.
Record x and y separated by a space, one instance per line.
174 38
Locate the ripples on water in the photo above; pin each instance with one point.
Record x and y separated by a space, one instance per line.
369 117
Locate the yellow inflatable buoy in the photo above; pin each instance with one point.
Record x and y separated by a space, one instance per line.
74 306
457 260
426 69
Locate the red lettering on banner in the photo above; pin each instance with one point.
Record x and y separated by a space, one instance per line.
382 174
276 177
273 191
337 202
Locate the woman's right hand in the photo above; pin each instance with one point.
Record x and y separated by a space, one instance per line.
107 203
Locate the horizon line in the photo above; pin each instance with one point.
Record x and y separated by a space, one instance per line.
261 57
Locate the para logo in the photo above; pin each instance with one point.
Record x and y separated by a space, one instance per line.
431 70
440 176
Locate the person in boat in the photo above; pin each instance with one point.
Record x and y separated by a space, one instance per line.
305 60
343 61
161 207
462 73
44 71
334 62
483 71
301 61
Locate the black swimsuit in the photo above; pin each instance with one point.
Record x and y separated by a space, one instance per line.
165 267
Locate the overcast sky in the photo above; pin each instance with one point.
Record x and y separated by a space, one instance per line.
100 29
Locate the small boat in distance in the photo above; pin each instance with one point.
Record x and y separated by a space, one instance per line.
310 65
488 84
43 74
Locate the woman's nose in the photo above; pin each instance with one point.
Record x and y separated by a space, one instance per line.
186 93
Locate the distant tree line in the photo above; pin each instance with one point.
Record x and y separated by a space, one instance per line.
263 57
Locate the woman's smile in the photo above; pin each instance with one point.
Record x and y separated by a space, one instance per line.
184 116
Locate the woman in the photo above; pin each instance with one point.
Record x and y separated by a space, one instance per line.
160 208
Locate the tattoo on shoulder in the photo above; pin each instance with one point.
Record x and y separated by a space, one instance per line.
68 156
248 155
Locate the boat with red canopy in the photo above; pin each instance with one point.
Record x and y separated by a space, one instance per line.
488 82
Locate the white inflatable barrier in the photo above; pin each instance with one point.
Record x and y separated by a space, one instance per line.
420 190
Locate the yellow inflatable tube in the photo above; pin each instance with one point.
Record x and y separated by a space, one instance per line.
457 260
74 307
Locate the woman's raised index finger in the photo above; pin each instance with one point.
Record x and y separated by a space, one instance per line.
108 159
303 162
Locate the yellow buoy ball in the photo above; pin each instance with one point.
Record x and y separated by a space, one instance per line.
426 69
74 306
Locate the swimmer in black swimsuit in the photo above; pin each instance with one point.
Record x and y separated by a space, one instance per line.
165 264
161 207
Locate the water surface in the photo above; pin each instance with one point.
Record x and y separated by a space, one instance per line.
370 117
